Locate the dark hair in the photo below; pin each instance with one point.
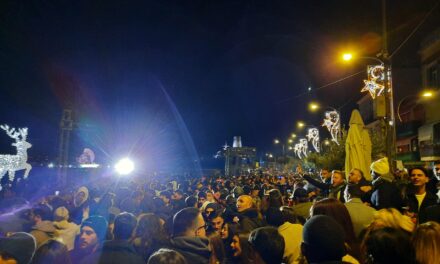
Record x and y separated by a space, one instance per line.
274 217
288 214
323 239
43 211
389 245
184 219
191 201
418 168
268 243
166 256
337 210
275 198
167 194
151 234
125 223
354 190
52 252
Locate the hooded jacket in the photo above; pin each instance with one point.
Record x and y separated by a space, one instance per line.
194 249
67 232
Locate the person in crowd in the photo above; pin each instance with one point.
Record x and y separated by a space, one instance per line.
391 217
389 245
52 252
268 243
201 199
255 194
335 189
218 254
302 204
356 176
217 221
66 231
191 201
189 236
426 243
291 232
242 251
323 240
361 215
237 191
436 173
178 201
93 233
248 217
418 199
132 204
336 210
385 193
43 228
150 235
18 248
80 209
166 256
120 249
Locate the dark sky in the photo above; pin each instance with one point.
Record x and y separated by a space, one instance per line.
170 81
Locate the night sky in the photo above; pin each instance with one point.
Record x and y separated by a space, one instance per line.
168 82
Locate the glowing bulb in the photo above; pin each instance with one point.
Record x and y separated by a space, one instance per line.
301 124
124 166
427 94
276 141
347 56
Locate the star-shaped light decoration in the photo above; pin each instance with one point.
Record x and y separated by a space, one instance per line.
375 84
372 87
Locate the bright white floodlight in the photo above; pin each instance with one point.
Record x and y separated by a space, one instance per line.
124 166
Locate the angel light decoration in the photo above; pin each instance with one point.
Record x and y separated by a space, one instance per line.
304 146
313 135
13 163
333 124
297 150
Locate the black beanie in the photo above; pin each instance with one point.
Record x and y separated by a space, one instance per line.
21 246
324 238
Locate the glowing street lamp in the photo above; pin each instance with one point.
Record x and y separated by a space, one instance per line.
290 141
313 106
276 141
347 56
300 124
293 135
427 94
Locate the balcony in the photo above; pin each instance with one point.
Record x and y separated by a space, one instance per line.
408 129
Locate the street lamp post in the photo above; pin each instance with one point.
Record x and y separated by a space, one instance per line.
387 88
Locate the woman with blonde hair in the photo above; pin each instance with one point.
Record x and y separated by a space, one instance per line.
426 242
391 217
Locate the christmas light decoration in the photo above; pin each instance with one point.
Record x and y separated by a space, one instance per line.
304 146
375 82
313 135
297 150
13 163
333 124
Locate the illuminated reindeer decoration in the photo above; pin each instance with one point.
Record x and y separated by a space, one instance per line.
12 163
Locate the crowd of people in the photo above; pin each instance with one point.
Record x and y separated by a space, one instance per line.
265 216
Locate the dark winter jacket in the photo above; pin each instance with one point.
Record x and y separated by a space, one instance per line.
429 200
115 251
385 195
249 220
194 249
